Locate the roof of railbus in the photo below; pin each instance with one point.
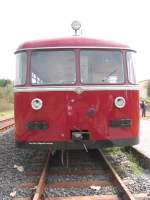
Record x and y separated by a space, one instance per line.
71 42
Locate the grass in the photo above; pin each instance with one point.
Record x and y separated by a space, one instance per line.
134 164
6 114
114 151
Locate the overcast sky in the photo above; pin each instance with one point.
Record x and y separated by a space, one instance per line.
123 21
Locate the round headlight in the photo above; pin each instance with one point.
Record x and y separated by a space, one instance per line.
120 102
36 104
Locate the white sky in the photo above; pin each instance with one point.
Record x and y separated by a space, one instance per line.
125 21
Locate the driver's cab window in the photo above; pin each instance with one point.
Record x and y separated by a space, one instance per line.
100 67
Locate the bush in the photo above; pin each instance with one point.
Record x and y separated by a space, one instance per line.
5 106
6 95
4 82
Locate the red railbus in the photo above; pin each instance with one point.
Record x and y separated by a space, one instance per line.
76 92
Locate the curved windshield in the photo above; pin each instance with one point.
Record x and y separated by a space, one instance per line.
101 67
21 68
131 62
53 67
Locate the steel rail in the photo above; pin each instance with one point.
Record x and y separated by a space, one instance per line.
126 194
42 181
6 123
5 120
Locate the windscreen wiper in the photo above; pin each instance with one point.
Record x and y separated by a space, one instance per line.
106 77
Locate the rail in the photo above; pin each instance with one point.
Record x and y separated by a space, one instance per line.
6 123
42 181
126 194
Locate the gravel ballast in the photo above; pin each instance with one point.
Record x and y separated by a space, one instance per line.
138 179
11 178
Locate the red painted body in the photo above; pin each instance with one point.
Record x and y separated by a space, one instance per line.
65 111
64 115
71 42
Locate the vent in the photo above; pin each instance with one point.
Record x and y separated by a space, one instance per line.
121 123
37 125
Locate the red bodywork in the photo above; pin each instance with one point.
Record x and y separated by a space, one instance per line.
91 110
64 115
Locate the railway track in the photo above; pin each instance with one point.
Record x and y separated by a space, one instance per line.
6 124
84 173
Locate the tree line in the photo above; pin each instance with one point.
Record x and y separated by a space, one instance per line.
5 82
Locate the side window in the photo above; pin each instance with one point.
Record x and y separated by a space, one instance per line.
131 65
21 68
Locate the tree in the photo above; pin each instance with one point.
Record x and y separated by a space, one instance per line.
1 93
6 90
148 88
4 82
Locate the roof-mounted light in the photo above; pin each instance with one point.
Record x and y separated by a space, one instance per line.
76 25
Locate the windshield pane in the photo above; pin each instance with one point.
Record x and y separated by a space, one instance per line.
21 68
53 67
100 67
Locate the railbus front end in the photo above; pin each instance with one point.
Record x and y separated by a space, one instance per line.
76 93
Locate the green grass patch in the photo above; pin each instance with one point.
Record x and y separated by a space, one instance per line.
113 151
6 114
134 164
